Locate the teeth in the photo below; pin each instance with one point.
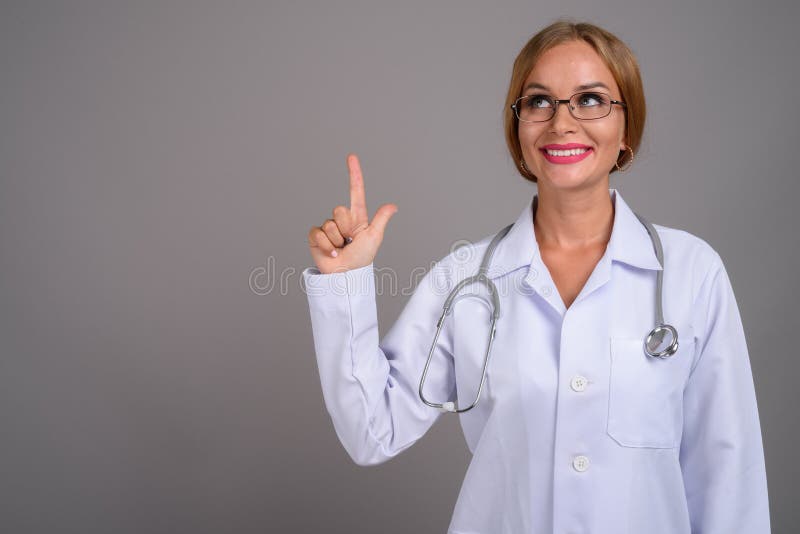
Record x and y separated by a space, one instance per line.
571 152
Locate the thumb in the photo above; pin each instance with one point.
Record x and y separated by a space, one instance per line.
382 216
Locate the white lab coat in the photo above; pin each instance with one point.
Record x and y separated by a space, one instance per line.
577 430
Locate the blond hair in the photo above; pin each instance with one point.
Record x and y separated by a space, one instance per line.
615 54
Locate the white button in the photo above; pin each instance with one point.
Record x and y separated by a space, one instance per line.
533 274
580 463
579 383
546 290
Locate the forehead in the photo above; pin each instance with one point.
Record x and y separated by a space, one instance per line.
568 65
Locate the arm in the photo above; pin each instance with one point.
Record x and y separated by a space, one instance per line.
721 454
370 388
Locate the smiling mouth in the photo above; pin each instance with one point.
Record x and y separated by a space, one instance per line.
570 152
567 156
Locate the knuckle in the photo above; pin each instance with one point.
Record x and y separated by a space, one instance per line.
339 211
324 244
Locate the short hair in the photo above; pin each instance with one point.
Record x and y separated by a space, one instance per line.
615 54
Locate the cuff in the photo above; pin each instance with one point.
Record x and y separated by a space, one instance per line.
352 283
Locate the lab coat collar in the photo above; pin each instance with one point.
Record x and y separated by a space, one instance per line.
629 243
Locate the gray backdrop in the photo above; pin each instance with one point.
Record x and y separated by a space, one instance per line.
162 162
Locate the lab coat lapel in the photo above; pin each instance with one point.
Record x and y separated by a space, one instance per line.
629 244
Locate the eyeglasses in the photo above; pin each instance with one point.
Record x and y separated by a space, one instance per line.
582 106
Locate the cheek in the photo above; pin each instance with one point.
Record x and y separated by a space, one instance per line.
611 137
527 138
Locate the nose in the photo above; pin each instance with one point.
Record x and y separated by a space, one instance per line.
563 121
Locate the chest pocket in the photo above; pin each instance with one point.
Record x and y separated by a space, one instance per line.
645 404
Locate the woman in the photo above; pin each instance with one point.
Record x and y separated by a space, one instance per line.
577 430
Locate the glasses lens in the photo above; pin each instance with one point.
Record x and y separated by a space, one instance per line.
590 105
535 108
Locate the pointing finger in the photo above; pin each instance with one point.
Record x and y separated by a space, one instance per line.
358 202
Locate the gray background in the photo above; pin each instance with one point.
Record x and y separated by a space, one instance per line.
154 155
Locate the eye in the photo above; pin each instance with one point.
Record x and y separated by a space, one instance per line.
537 101
592 99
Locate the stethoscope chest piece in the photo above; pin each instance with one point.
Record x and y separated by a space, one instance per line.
662 341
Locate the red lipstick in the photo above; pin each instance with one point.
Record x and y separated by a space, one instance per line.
566 158
566 147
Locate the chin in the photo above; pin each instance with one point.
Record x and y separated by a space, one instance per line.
568 180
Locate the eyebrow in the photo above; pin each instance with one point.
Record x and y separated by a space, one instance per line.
583 87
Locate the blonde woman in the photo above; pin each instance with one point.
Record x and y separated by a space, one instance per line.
577 428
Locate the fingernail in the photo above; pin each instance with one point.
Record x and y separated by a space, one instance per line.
334 253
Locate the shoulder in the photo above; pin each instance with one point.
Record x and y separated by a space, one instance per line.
687 245
688 254
463 258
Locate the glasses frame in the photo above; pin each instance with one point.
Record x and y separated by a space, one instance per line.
557 101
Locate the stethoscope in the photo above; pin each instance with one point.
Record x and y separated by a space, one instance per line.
654 340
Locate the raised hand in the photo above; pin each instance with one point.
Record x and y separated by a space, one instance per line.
348 240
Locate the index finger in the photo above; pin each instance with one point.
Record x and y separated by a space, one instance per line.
358 201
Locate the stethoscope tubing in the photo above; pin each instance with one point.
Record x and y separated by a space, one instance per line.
652 340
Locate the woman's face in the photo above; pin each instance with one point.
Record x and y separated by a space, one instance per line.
560 71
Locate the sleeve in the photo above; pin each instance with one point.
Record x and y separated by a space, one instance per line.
721 453
371 388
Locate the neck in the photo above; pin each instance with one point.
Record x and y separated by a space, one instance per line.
573 220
